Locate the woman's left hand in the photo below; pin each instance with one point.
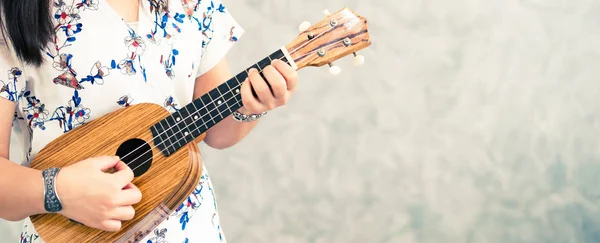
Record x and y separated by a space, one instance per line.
280 76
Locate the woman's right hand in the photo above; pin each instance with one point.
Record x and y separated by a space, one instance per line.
95 198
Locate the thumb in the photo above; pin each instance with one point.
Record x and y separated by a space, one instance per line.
105 163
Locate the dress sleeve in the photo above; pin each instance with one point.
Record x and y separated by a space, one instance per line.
220 31
11 75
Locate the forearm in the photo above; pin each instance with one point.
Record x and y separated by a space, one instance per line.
228 132
21 191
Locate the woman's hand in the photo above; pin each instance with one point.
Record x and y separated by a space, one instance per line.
280 76
95 198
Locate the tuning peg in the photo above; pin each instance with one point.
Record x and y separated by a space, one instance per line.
334 70
326 12
358 59
304 26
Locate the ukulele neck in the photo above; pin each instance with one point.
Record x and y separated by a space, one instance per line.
191 121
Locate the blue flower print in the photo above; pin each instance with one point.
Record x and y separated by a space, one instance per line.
9 88
127 67
62 62
88 4
170 104
97 74
66 14
37 114
27 237
160 236
125 101
136 45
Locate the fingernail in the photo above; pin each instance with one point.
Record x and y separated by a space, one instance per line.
274 61
117 158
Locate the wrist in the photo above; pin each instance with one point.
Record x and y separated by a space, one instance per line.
37 199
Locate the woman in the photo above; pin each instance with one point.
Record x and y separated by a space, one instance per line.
71 61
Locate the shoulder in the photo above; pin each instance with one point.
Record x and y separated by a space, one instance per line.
219 29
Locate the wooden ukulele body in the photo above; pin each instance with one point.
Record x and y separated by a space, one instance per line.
164 185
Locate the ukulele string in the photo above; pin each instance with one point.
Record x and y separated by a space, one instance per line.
175 125
150 159
208 113
170 128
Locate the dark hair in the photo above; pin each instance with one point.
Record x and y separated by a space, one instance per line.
28 25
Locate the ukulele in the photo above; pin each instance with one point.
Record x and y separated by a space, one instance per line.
162 148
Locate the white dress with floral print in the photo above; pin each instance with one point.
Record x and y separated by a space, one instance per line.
97 64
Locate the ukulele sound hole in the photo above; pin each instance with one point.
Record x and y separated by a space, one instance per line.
137 154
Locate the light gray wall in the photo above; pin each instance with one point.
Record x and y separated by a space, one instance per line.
472 121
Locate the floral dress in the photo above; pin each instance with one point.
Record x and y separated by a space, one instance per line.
98 63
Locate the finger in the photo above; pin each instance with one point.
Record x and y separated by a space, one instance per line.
106 162
248 99
123 213
289 74
123 173
130 195
262 89
111 225
277 83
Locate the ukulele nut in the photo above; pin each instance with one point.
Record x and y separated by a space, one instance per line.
321 52
347 41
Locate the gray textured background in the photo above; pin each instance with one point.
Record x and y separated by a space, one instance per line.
472 121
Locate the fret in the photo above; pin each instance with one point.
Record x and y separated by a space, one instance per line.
232 104
222 101
201 124
233 85
238 100
284 59
204 99
223 89
264 62
165 134
223 110
230 96
157 139
214 95
193 119
201 114
205 117
173 132
198 119
240 78
214 112
277 55
255 66
181 118
206 106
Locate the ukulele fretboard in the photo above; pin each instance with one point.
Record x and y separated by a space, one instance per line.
192 120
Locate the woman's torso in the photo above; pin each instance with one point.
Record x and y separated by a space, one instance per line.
98 63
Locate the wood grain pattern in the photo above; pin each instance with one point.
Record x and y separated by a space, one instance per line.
304 50
164 186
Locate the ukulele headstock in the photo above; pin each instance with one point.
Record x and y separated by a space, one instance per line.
338 35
